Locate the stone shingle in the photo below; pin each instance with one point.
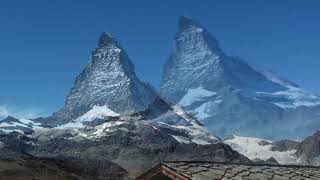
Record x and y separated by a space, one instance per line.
210 171
206 171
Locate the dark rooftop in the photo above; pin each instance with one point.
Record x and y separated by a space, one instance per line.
184 170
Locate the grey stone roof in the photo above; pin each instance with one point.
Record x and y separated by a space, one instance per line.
211 171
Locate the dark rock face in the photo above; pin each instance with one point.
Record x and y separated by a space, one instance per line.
231 97
14 145
263 143
284 145
272 161
309 150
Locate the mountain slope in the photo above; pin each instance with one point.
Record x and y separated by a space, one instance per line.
231 97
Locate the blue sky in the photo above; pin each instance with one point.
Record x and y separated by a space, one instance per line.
44 44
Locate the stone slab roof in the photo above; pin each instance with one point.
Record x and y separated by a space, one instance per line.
210 171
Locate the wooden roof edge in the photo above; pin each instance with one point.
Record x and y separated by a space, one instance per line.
173 172
245 164
150 172
164 169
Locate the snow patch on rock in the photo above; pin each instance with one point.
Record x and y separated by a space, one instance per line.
203 111
97 112
194 134
106 127
295 97
194 95
181 139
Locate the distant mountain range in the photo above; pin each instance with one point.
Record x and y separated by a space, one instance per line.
116 124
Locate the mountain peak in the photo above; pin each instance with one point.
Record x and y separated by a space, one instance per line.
186 22
208 83
107 39
108 80
191 31
10 118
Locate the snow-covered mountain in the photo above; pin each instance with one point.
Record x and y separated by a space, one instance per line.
108 80
231 97
110 116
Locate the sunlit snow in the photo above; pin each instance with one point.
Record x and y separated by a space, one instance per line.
194 95
97 112
296 96
105 127
253 149
203 111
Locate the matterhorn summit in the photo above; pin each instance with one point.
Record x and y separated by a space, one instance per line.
231 97
108 80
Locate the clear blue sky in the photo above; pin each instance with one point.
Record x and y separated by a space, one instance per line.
44 44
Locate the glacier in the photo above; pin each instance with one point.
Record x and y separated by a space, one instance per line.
256 148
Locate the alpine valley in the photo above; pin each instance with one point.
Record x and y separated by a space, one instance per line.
112 126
